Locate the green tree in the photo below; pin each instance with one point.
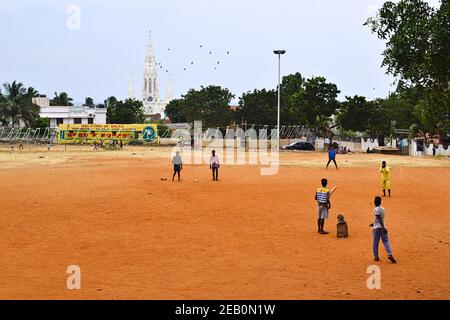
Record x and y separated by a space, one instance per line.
290 86
378 121
417 53
354 114
400 108
315 104
210 104
16 104
110 101
41 123
258 107
125 112
61 99
89 102
358 114
175 111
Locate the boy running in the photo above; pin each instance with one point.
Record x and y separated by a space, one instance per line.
323 201
214 165
385 171
332 157
380 231
177 166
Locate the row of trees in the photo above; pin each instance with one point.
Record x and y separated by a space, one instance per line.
417 53
312 102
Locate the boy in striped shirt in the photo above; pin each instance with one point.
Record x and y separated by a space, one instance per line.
323 200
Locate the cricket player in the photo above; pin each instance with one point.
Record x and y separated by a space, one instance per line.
177 166
214 165
324 205
380 231
385 171
332 157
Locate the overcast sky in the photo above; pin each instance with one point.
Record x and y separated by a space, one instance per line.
322 37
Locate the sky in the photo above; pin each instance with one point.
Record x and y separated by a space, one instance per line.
44 47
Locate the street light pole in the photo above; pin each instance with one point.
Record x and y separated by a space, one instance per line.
279 53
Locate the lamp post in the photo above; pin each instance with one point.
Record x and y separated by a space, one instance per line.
279 53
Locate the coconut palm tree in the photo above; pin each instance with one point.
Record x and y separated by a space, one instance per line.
29 112
16 104
3 120
61 99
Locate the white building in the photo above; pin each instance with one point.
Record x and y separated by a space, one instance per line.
69 114
154 105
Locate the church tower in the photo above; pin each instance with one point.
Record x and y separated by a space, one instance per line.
150 86
153 104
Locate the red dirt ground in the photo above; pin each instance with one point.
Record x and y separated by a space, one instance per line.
245 237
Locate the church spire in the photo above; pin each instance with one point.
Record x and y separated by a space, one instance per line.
150 86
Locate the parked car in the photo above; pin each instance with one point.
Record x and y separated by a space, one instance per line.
305 146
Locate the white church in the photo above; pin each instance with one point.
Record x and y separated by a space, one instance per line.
154 104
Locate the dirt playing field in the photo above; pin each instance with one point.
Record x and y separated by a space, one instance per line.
247 236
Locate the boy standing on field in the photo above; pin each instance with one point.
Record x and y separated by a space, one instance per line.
323 201
214 165
380 231
385 171
332 157
177 166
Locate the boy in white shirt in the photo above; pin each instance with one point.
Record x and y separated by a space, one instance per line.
214 165
177 166
380 231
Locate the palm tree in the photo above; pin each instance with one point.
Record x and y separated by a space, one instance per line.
29 111
16 104
61 99
3 120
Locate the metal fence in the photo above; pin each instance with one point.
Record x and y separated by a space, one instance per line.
28 135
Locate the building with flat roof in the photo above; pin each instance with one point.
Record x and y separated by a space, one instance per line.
69 114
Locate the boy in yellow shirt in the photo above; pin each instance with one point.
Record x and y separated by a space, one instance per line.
385 171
